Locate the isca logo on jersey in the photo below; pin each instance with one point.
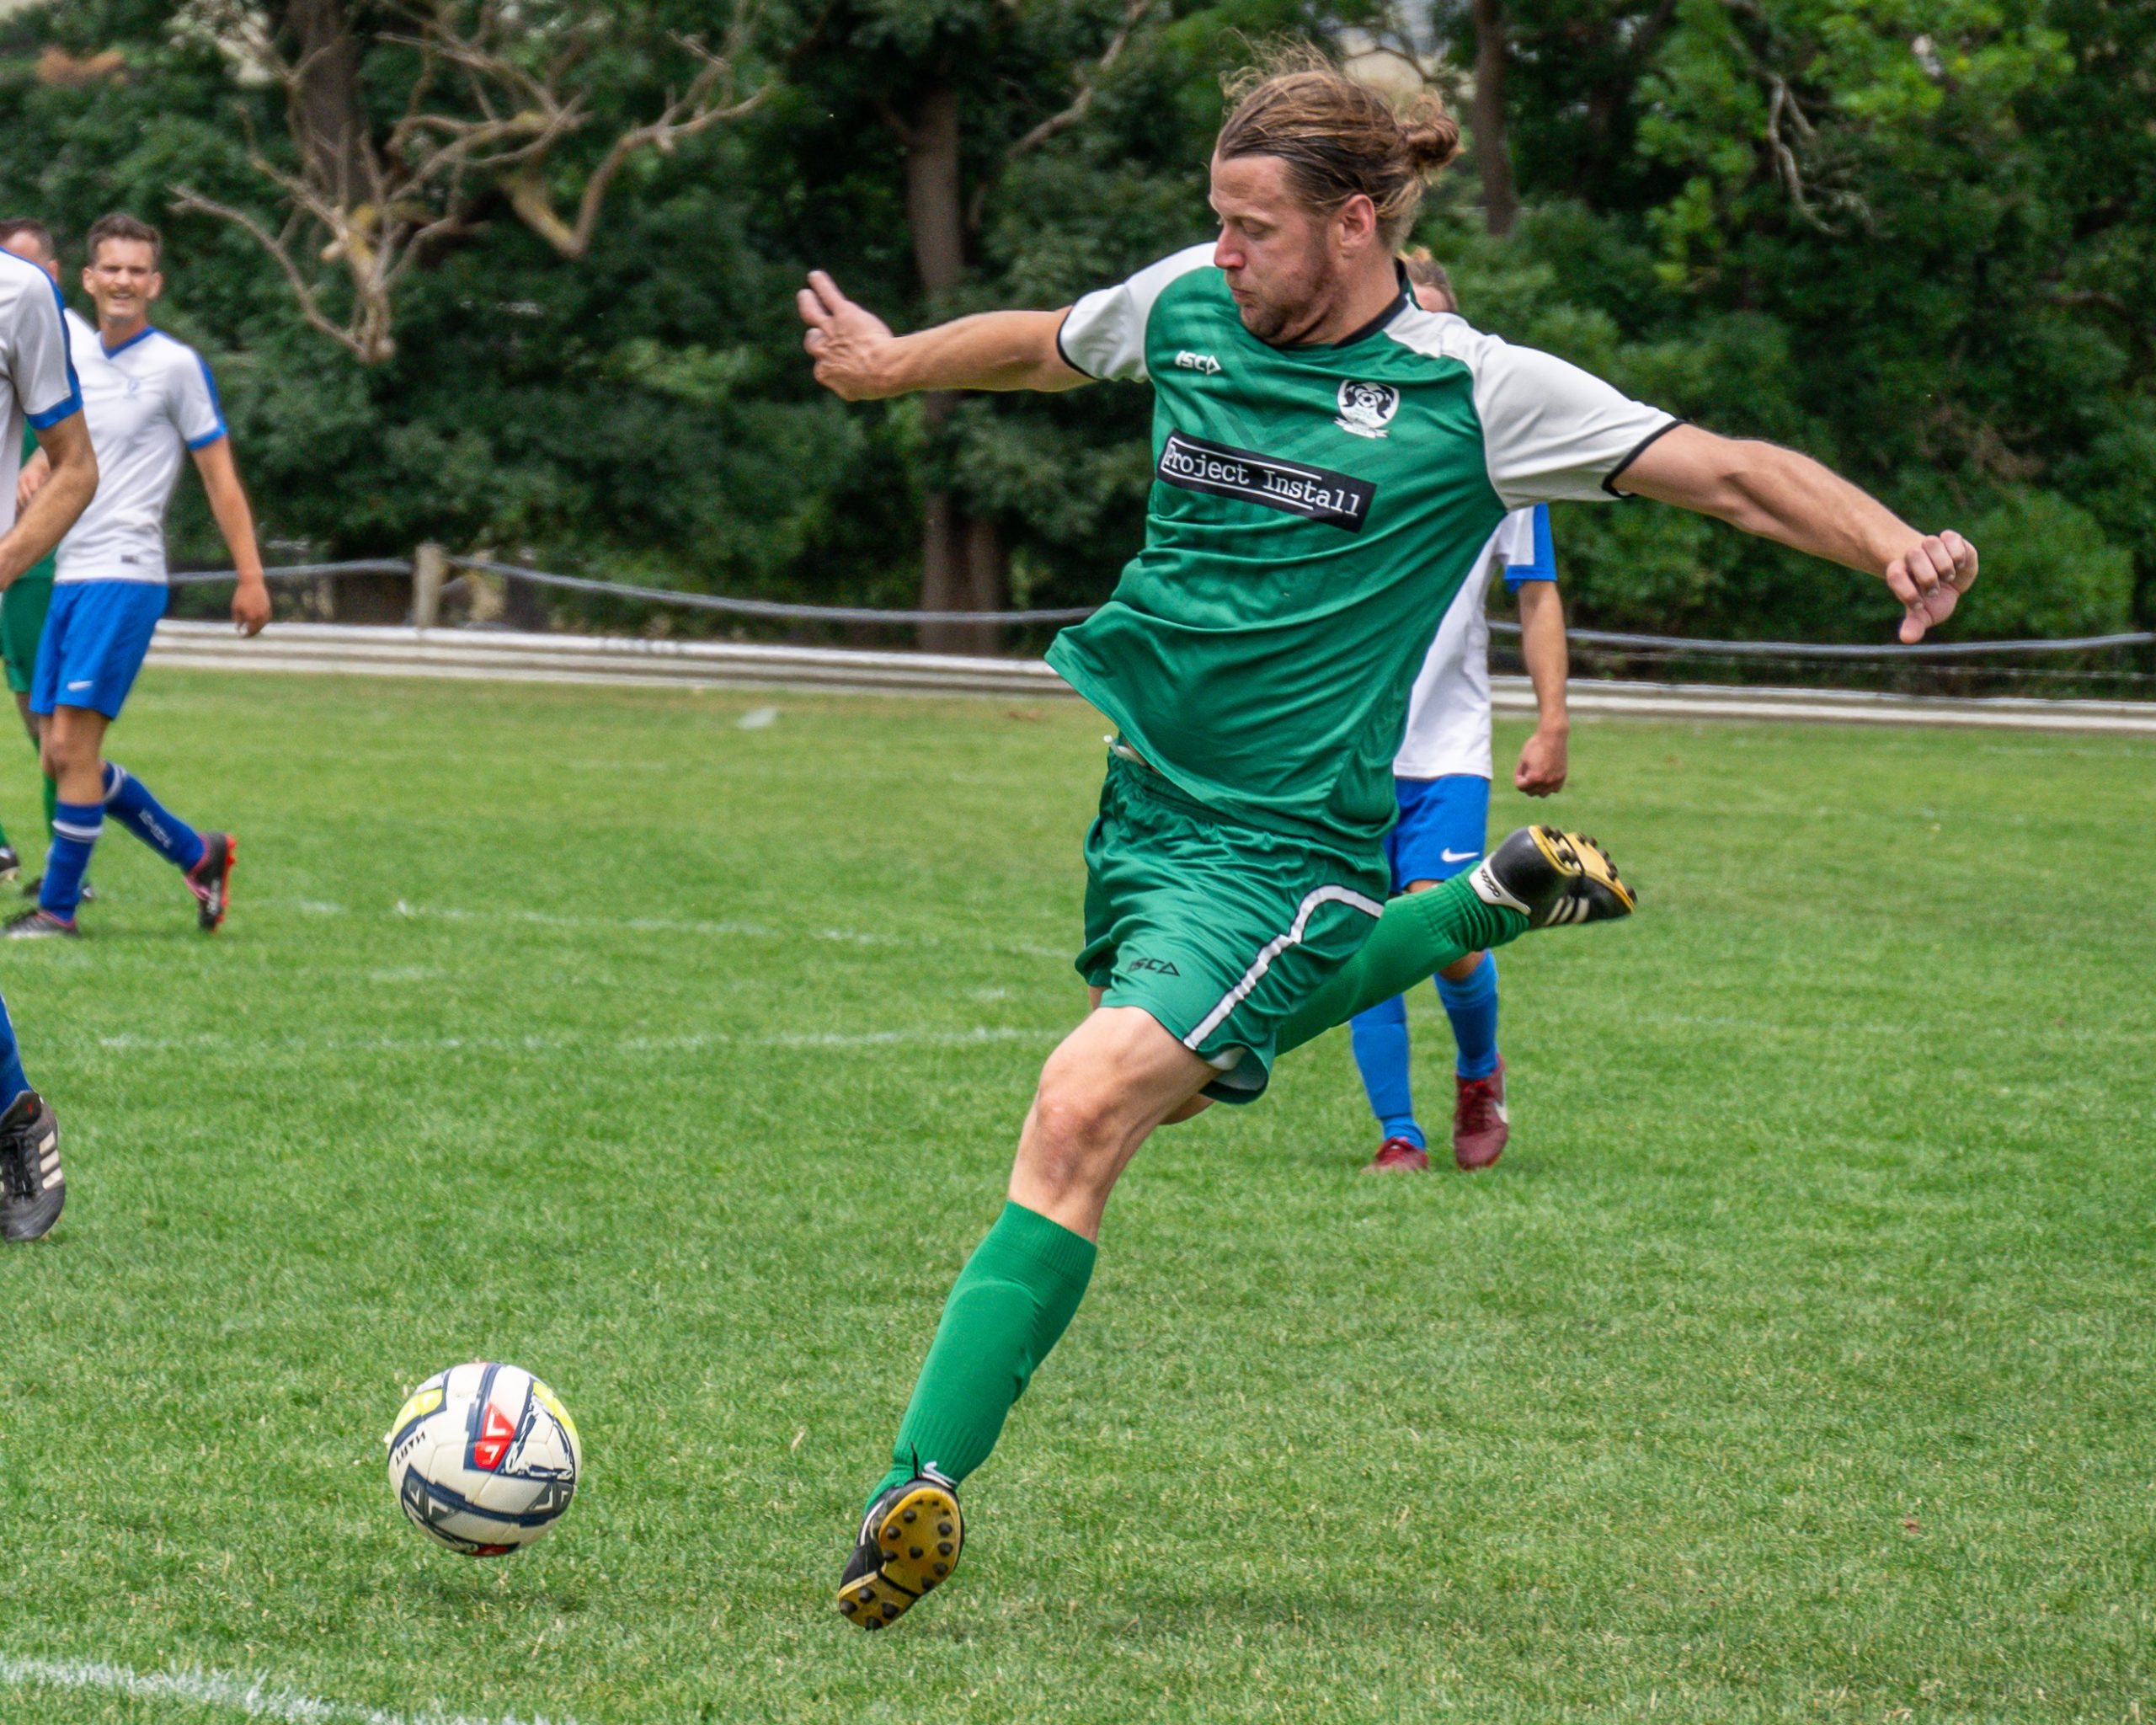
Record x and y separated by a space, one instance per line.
1366 408
1199 362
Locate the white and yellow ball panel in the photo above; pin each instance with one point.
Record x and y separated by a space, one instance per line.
484 1458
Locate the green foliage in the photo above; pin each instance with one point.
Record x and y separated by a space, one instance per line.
1917 241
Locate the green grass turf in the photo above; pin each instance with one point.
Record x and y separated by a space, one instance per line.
1796 1363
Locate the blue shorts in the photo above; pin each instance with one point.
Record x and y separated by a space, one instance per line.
96 636
1443 827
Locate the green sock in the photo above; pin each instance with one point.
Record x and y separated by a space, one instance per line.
1419 933
1010 1304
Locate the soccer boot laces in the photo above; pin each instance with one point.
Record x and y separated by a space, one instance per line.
210 880
1554 877
32 1189
909 1543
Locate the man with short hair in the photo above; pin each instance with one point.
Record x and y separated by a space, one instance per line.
1441 779
39 389
147 397
1329 459
23 606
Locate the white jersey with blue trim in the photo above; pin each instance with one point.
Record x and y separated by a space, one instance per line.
1449 712
147 401
38 384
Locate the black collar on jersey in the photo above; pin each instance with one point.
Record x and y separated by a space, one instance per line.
1405 302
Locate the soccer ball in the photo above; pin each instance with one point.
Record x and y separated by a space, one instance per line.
483 1458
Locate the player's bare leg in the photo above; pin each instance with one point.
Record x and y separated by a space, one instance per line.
1114 1079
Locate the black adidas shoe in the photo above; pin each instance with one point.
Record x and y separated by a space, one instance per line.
11 865
910 1542
32 1189
39 925
1554 877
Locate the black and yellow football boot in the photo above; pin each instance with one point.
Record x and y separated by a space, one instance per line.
910 1542
1555 878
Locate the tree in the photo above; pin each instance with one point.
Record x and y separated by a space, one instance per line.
490 96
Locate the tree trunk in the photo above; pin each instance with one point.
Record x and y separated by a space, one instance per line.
329 98
962 560
1486 116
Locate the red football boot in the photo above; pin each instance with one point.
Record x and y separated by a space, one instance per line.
1398 1155
1480 1124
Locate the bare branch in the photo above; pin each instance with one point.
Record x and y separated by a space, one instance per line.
479 119
1135 14
1782 103
369 346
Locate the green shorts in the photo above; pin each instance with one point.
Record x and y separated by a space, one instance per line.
1218 930
23 608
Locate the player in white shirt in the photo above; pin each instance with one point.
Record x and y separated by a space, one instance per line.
37 387
1442 778
147 398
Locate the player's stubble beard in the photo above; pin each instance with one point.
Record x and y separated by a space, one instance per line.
1287 311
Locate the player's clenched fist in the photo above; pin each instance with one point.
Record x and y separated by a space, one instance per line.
1928 577
846 341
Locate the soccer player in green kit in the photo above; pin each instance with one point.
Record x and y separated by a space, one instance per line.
1329 459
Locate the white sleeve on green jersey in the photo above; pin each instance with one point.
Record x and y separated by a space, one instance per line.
1551 431
1103 334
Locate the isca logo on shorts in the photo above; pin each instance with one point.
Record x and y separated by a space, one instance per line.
1161 965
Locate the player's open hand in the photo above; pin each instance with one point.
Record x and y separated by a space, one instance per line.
1542 764
845 340
1928 577
251 607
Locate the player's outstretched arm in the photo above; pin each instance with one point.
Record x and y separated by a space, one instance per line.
1779 494
236 521
859 358
71 481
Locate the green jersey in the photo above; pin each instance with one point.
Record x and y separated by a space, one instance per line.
1314 510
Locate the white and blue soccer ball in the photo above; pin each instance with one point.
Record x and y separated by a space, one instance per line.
484 1459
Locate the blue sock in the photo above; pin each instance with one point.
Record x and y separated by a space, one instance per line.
12 1082
1472 1006
1379 1037
164 832
75 829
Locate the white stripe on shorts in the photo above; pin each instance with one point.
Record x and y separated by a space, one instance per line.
1240 992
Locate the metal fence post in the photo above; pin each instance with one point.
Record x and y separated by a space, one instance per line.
429 563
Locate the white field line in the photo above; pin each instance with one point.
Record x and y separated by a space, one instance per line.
255 1697
296 1043
721 930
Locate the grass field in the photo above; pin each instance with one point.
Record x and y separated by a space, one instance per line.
1798 1361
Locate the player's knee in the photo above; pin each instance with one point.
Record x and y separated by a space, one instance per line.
1074 1138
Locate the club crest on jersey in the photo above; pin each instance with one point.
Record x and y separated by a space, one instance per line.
1366 408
